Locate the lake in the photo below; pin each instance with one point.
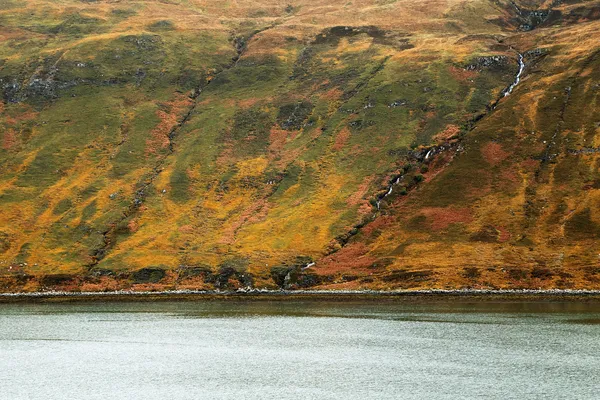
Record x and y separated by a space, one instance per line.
234 349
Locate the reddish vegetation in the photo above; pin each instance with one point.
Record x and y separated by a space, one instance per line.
253 213
379 223
204 102
186 229
101 284
510 178
277 139
133 225
247 103
376 96
451 132
438 164
357 197
341 139
504 234
351 258
441 218
26 115
332 94
9 140
530 165
365 209
493 153
10 120
160 134
226 156
430 115
461 73
257 212
356 150
159 137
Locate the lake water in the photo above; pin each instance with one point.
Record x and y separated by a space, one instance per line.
300 350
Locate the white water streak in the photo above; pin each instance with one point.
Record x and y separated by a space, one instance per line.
310 264
518 77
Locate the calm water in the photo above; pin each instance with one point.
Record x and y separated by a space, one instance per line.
300 350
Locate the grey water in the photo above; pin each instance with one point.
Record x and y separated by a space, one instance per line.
300 350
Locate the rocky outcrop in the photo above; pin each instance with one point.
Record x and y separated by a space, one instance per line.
487 62
296 275
222 279
148 275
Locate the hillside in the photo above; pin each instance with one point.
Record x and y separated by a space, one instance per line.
375 144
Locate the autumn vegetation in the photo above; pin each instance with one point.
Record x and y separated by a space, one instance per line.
197 144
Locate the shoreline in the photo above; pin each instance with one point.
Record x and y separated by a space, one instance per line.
316 295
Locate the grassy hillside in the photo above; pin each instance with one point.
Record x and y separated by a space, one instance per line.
194 144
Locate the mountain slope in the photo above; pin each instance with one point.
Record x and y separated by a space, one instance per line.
188 144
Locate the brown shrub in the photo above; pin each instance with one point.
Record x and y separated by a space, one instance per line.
517 274
471 273
541 273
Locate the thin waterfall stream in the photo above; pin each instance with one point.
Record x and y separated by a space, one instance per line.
518 77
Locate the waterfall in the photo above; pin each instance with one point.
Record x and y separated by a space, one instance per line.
310 264
518 77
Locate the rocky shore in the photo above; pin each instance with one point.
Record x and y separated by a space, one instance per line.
320 295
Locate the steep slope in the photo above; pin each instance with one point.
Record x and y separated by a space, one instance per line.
517 206
235 144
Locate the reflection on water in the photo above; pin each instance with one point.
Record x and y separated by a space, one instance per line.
300 350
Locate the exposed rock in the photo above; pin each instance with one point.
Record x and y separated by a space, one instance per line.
10 90
282 275
56 279
584 150
427 153
292 116
221 280
533 19
99 272
43 85
535 53
149 275
295 276
398 103
488 62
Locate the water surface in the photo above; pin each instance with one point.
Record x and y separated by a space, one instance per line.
300 350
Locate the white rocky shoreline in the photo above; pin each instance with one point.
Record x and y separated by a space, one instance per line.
249 292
